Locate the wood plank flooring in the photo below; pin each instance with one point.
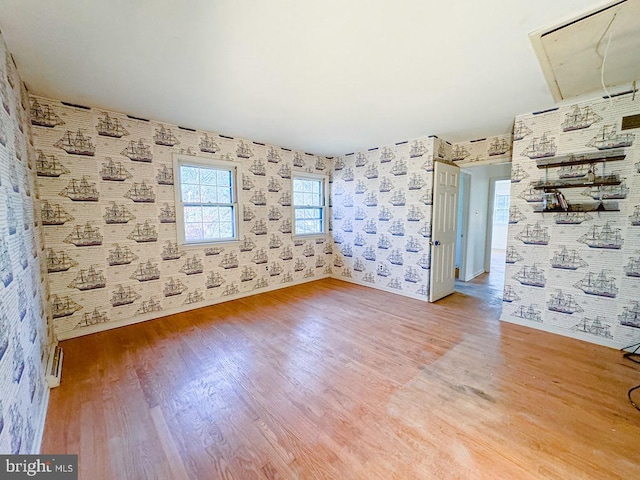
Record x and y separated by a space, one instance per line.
338 381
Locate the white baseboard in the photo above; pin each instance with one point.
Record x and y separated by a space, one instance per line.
37 446
101 327
381 287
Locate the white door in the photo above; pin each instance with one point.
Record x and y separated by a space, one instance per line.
444 222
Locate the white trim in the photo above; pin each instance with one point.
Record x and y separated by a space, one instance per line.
220 163
37 446
181 309
376 286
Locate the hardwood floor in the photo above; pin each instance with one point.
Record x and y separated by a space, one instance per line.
334 380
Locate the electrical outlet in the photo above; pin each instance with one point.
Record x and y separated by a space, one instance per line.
380 267
266 267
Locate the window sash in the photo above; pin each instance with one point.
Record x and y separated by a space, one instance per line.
309 205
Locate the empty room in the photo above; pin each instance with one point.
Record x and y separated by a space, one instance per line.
309 240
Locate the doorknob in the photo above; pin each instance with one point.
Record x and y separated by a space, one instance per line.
436 243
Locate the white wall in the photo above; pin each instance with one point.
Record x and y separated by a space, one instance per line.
477 216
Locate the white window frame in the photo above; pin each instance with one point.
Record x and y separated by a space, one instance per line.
205 162
325 193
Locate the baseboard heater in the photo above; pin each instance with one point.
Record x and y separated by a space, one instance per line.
54 367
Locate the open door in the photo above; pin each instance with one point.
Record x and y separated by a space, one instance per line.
444 223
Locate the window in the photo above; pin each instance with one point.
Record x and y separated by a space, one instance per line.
309 205
206 200
501 209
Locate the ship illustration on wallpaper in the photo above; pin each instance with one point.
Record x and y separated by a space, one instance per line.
193 265
49 166
359 214
171 251
399 168
299 266
386 185
213 250
416 182
59 261
164 176
598 284
359 240
309 251
396 258
567 259
528 313
84 236
411 275
459 153
515 215
338 164
123 296
248 214
243 150
632 269
534 235
89 279
247 274
77 144
287 253
146 272
141 193
386 155
427 198
214 280
512 256
595 326
63 306
247 183
274 185
361 160
348 175
572 171
397 228
361 187
369 254
347 201
194 297
12 223
258 168
114 171
559 302
273 156
417 149
247 244
371 172
144 232
167 214
110 127
414 214
571 218
276 269
165 137
120 255
232 289
509 295
602 237
138 151
80 190
607 192
275 241
629 317
43 115
371 200
635 217
92 318
274 214
285 227
607 138
531 276
518 174
259 198
498 146
540 147
398 199
520 130
260 227
395 283
285 171
424 262
229 260
208 144
117 214
358 265
174 287
298 161
4 344
579 118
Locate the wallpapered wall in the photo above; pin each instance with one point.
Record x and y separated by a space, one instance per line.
382 201
25 336
482 151
577 275
96 167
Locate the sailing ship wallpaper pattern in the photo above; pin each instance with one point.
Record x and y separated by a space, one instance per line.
25 333
576 272
485 151
381 215
108 211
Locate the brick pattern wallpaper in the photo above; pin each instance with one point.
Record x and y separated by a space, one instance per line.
381 215
25 334
577 274
108 209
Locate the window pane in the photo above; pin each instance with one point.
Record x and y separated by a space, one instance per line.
190 193
226 214
226 230
224 195
210 214
193 214
208 176
193 232
211 231
208 194
189 174
224 178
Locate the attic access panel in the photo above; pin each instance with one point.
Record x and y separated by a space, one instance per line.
572 52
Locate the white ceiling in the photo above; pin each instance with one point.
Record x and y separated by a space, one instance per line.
328 77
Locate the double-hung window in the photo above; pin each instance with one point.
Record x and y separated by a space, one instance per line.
309 206
206 200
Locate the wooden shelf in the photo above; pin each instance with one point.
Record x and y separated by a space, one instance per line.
581 207
583 159
597 182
